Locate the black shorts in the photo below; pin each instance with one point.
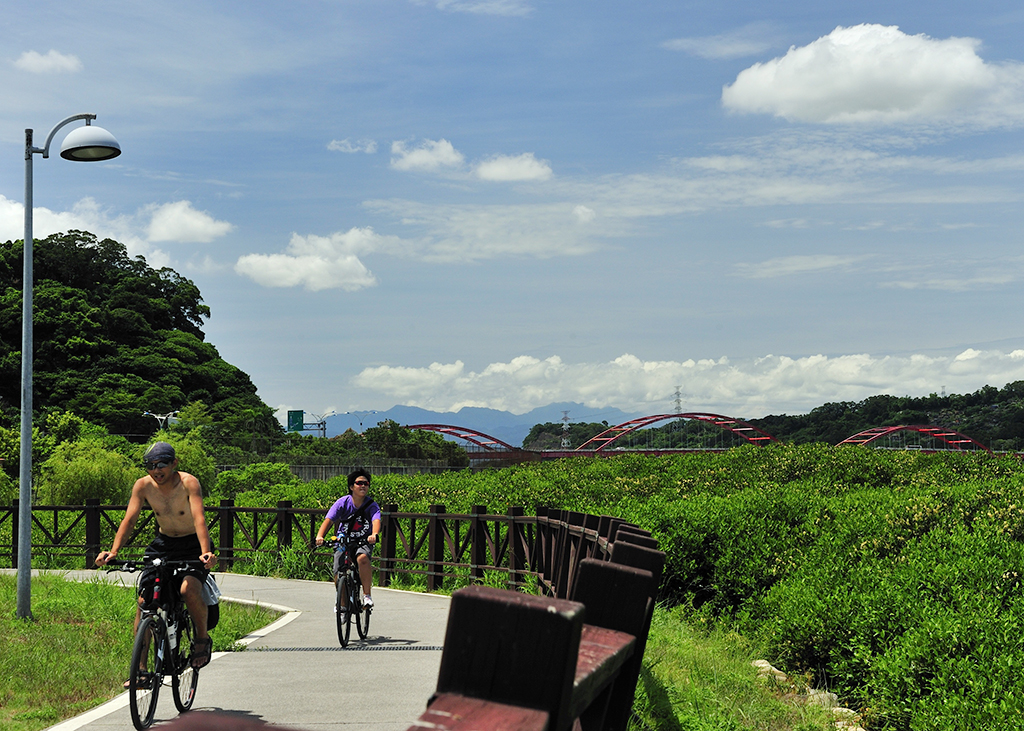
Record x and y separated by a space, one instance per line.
183 548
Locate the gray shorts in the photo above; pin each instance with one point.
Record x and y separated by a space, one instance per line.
365 549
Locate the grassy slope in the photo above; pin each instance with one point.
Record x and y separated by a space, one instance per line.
74 653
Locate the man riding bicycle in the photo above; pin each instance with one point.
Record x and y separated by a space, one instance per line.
360 515
177 502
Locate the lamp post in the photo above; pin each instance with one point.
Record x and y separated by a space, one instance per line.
84 144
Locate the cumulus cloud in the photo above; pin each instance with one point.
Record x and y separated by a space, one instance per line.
747 41
513 168
744 389
52 62
346 145
179 221
429 156
85 215
878 74
320 262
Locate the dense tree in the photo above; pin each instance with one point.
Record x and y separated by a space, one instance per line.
550 434
114 338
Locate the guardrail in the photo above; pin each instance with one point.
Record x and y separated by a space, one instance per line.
513 661
545 547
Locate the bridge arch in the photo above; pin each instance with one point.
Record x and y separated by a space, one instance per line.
952 439
492 444
742 429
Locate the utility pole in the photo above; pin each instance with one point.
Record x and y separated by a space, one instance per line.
566 441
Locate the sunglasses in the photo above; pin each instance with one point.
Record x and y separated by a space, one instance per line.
155 465
362 482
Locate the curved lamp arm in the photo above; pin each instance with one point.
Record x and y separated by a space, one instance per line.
49 138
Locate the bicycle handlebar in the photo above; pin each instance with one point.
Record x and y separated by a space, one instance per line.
133 566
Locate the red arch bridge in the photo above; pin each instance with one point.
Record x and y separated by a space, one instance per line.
485 448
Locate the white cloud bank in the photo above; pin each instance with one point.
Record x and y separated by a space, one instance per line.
169 222
52 62
429 156
179 221
747 41
508 8
513 168
878 74
347 146
320 262
747 389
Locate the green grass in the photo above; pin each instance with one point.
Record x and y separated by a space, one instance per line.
74 653
697 679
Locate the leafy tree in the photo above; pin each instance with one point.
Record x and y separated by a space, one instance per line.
115 338
549 435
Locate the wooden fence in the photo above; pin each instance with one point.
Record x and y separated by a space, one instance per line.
545 547
567 660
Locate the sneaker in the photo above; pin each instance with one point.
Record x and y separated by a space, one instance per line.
367 600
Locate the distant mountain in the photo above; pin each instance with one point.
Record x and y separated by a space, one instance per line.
503 425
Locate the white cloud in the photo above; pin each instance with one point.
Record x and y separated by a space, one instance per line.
52 62
345 145
743 389
429 156
878 74
320 262
747 41
485 7
514 167
85 215
179 221
583 214
476 232
788 265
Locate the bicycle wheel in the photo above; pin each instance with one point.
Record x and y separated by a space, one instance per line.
355 601
146 673
363 621
342 610
186 677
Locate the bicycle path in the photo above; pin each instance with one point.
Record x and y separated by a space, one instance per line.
295 673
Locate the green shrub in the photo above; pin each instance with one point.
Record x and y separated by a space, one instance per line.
85 469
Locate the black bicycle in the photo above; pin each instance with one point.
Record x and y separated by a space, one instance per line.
349 601
164 640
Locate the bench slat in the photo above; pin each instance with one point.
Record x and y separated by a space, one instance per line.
602 653
453 712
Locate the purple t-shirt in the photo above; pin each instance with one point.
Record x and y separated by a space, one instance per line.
343 510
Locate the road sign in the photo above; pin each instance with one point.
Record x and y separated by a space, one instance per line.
295 419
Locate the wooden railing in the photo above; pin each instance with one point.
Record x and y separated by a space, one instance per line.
511 660
518 662
545 547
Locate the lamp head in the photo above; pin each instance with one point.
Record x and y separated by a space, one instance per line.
89 144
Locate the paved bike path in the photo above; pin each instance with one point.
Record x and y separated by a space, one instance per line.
294 672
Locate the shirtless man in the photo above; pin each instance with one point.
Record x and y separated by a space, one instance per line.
177 502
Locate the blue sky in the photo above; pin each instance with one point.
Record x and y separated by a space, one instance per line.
509 203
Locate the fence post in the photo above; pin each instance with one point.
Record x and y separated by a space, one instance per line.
284 524
477 541
435 548
15 531
226 530
516 547
92 531
389 546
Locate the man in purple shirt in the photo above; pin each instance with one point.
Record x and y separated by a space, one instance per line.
360 516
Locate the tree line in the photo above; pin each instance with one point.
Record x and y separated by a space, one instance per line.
990 415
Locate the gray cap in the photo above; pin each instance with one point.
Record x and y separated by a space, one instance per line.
159 452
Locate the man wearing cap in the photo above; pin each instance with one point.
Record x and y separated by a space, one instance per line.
177 502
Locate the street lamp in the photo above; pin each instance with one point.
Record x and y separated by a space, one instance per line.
85 144
163 419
